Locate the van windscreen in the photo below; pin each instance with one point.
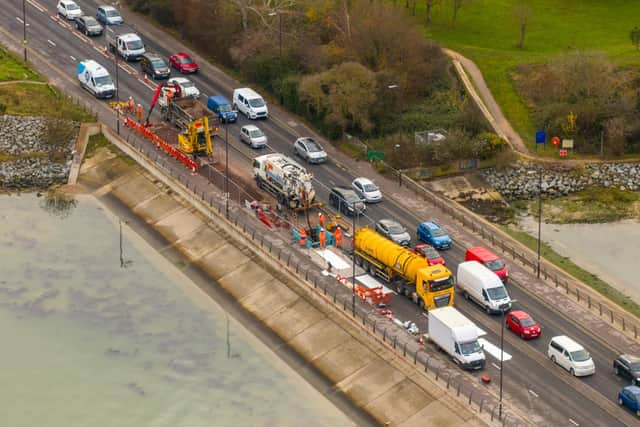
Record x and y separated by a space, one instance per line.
256 102
497 293
495 265
103 81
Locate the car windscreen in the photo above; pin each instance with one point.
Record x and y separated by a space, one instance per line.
187 84
72 6
184 60
634 366
369 188
526 322
437 232
495 265
350 197
395 229
497 293
91 22
312 146
468 348
580 356
158 63
103 81
256 133
429 252
112 13
134 44
256 102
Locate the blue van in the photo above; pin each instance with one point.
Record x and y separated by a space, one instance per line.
222 108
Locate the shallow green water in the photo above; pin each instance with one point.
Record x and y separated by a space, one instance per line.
86 342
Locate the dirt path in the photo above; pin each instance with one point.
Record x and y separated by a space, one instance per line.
11 82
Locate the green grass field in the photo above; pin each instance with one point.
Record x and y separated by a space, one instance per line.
487 32
29 99
13 68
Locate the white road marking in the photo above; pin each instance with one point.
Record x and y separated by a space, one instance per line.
73 58
495 366
493 350
21 21
204 95
37 5
533 393
110 29
50 42
573 422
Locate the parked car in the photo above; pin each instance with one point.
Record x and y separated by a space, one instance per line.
222 108
522 324
253 136
366 190
346 201
68 9
88 26
182 62
571 356
431 233
431 255
630 397
187 87
628 366
310 150
108 15
153 65
489 260
394 231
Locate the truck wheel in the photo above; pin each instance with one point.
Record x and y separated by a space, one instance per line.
487 310
399 288
421 303
259 182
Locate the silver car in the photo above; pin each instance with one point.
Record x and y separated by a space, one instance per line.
394 231
310 150
253 136
366 190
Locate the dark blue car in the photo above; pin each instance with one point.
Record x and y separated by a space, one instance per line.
431 233
222 108
630 397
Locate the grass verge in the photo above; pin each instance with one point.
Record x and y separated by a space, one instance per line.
24 99
98 141
576 271
14 68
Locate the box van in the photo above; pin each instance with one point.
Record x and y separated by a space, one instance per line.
480 284
249 103
490 260
96 79
457 336
222 107
571 356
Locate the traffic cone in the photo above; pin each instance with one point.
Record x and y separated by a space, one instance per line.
146 79
193 170
421 340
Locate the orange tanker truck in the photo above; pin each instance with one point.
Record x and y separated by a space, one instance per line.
408 273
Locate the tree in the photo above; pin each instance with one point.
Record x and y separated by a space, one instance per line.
616 133
429 4
457 4
523 12
635 37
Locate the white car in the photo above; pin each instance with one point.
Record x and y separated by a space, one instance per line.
253 136
366 190
187 87
69 9
310 150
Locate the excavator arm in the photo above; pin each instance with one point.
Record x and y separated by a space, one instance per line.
157 94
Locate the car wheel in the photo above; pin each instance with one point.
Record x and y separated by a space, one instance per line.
638 412
466 295
617 370
572 372
506 325
487 310
620 401
86 32
522 335
553 359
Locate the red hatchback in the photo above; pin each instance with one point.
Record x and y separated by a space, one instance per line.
432 256
183 62
522 324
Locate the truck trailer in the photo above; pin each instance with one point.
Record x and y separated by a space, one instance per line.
287 180
409 273
457 336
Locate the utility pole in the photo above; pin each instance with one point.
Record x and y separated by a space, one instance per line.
281 77
226 169
353 264
539 217
24 29
115 57
503 309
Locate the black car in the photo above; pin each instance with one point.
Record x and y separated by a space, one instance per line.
628 366
154 66
88 25
345 200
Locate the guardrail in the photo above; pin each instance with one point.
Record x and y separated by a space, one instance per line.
386 331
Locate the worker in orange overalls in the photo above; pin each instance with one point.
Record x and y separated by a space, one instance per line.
303 237
130 105
323 238
139 113
321 219
338 236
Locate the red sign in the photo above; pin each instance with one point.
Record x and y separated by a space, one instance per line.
563 153
555 141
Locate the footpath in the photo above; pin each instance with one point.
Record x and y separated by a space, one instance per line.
365 369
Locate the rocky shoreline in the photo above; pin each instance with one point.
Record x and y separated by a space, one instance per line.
520 182
35 152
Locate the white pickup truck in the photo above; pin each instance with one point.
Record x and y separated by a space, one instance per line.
123 41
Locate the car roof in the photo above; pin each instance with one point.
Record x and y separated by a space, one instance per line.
179 79
363 180
568 344
106 7
152 55
430 225
343 190
633 389
519 314
250 127
183 54
629 358
388 221
308 139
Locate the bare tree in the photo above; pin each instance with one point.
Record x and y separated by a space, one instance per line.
523 12
429 4
260 8
457 4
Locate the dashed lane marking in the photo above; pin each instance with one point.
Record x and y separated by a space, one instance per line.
21 21
50 42
533 393
495 366
73 58
573 422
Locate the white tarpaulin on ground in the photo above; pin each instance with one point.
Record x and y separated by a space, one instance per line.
336 260
371 282
493 350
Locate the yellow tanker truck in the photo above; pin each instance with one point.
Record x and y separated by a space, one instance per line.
409 273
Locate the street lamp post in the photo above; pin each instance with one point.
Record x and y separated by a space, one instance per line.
115 57
226 169
353 264
539 218
503 310
24 29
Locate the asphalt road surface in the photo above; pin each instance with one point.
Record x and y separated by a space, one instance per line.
545 392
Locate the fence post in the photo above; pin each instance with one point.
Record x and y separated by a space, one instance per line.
635 331
578 294
589 300
481 404
404 350
611 315
395 340
426 365
470 394
624 328
384 335
458 391
600 307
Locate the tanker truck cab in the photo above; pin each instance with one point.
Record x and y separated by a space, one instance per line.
437 287
96 79
480 284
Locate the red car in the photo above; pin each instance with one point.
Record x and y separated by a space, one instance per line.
183 62
432 256
522 324
489 259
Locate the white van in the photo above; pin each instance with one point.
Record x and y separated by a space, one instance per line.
96 79
482 285
571 356
249 103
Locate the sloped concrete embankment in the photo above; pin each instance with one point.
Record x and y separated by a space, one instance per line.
367 370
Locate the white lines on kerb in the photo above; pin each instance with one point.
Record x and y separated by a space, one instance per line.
532 393
21 21
50 42
495 366
73 58
37 6
573 422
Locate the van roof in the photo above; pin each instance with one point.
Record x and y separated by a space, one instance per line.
483 253
96 69
568 344
247 92
477 269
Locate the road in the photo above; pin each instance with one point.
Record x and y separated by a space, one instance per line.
546 393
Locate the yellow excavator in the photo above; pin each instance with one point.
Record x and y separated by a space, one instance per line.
196 139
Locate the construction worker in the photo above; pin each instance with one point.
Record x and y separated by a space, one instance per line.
323 238
303 237
169 95
321 219
139 113
338 236
130 105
